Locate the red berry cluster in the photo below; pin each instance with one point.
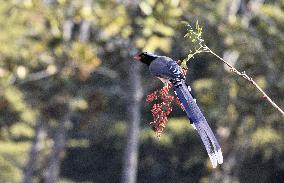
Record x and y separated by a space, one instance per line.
151 97
161 111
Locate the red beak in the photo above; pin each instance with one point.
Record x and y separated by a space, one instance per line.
137 57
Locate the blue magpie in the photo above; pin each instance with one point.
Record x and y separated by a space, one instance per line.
168 71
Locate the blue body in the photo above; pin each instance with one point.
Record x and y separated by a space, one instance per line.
166 68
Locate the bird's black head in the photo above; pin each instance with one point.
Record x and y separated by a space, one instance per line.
146 57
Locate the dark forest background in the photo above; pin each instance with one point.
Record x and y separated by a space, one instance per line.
72 101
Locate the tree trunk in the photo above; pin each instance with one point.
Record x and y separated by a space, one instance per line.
133 111
35 148
51 173
134 97
85 27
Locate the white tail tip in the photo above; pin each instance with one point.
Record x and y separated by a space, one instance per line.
213 160
220 156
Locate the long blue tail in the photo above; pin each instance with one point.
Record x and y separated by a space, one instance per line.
195 115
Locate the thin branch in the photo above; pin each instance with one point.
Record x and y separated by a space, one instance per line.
246 77
192 34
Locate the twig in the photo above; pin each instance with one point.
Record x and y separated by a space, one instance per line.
246 77
195 35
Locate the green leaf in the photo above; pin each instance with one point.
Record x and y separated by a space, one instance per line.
183 64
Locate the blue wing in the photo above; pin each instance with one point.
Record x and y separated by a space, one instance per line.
165 67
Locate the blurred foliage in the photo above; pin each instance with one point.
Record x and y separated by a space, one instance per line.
159 160
54 52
